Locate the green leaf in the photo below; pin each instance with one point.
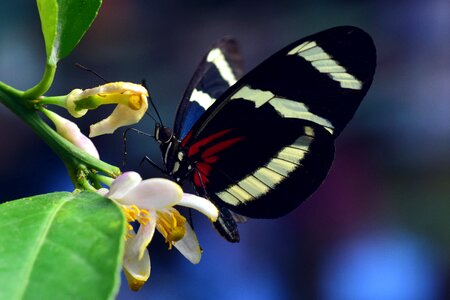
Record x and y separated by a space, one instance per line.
60 246
64 22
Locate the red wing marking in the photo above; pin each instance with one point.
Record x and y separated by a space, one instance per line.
220 147
186 138
211 159
195 148
204 166
203 172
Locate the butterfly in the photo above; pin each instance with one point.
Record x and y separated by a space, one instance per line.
258 145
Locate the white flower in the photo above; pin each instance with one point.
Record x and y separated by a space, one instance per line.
72 133
131 100
150 202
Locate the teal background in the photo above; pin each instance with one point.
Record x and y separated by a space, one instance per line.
378 228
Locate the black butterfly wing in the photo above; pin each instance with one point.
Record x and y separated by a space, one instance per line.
268 142
218 70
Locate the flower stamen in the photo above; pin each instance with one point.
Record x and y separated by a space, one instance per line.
171 224
135 214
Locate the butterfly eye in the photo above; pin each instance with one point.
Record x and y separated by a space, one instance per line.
163 134
166 134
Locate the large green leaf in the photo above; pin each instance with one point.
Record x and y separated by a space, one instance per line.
60 246
64 23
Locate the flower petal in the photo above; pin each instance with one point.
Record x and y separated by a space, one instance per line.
102 191
145 234
154 193
136 270
118 87
85 144
122 115
188 246
70 131
124 184
203 205
73 96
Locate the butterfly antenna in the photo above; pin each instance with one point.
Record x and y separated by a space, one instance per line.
152 117
90 71
144 84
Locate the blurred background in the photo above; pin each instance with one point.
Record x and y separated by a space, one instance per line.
378 228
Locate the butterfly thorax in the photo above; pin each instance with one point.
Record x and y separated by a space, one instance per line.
173 154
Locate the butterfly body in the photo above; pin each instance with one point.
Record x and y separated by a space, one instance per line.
261 144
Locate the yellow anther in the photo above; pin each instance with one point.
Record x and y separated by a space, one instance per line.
144 220
177 234
135 208
135 102
134 213
174 221
171 224
163 219
129 214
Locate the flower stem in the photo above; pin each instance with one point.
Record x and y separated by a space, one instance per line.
45 83
53 100
104 179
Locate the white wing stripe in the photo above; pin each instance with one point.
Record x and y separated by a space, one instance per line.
228 198
304 46
281 166
302 143
292 155
260 182
239 193
216 57
285 107
253 186
268 177
203 99
293 109
324 63
259 97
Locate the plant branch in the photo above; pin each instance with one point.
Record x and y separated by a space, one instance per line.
73 157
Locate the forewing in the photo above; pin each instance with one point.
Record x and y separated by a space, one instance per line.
322 78
220 68
268 142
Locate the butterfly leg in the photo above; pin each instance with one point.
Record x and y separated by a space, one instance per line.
124 139
148 159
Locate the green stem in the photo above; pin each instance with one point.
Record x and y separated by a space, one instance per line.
86 185
74 158
10 90
104 179
45 83
53 100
